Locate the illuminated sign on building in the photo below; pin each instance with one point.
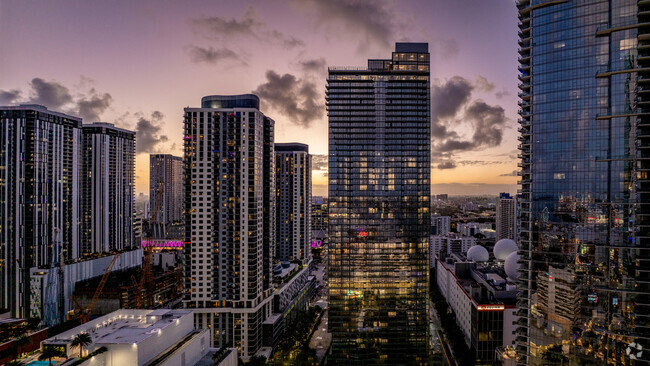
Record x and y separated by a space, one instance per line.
163 243
490 307
316 243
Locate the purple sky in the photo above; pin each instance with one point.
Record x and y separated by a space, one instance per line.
139 63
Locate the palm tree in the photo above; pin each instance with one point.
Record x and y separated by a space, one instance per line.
22 341
50 352
81 340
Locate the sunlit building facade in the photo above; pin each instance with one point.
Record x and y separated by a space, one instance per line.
584 243
379 197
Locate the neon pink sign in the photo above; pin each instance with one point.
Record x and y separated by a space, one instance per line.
163 243
316 243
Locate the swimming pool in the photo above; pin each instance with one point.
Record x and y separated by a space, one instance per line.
40 363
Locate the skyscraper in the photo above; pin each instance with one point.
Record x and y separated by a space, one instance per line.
584 121
379 197
506 217
40 152
107 190
229 205
293 202
166 185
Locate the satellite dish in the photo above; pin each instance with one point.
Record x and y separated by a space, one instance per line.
511 266
478 253
503 248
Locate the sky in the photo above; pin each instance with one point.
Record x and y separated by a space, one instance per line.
137 64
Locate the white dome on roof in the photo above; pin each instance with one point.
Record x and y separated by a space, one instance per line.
511 266
503 248
478 253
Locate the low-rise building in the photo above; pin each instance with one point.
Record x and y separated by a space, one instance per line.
482 299
73 273
138 337
443 245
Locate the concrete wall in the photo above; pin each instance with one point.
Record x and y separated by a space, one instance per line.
154 345
509 328
192 352
75 272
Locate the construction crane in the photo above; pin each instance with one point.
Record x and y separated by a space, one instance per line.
147 278
84 312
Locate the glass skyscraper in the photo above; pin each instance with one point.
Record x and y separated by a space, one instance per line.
585 214
379 221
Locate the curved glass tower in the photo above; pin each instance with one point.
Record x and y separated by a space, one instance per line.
585 210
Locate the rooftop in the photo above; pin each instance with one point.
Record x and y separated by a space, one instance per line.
124 326
231 101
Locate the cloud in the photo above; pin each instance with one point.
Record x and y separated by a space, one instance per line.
88 105
374 22
91 107
298 100
314 65
511 174
9 96
447 165
483 84
250 26
447 98
319 162
444 48
502 94
148 133
488 123
452 106
51 94
213 56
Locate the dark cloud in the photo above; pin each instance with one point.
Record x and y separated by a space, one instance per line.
249 26
51 94
373 21
213 56
447 165
9 96
511 174
92 106
488 122
148 133
315 65
88 105
297 99
447 98
452 105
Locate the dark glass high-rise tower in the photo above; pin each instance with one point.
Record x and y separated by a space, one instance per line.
585 212
379 221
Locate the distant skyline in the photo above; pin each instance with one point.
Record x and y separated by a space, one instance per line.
138 64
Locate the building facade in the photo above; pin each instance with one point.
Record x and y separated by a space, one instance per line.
440 225
293 202
444 245
107 188
40 152
379 199
506 219
584 132
227 262
166 186
483 301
